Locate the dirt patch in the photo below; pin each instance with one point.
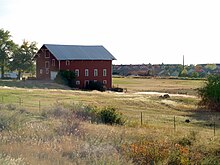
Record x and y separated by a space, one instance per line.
160 93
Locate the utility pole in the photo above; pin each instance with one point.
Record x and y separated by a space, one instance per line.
183 63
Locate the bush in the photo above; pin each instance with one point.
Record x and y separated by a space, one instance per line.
58 111
85 113
96 85
110 116
146 152
210 93
3 123
66 77
7 159
70 126
106 115
10 120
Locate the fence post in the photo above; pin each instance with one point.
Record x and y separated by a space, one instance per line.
39 106
20 101
2 99
214 128
141 118
174 123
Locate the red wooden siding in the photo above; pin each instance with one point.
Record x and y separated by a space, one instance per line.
53 64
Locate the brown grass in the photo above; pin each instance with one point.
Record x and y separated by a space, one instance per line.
42 138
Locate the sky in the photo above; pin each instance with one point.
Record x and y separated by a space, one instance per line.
134 31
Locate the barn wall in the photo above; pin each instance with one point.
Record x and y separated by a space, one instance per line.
42 72
90 65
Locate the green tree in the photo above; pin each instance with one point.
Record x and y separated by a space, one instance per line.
66 78
183 73
211 66
195 74
6 48
210 93
22 58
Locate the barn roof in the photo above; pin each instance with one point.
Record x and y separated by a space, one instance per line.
79 52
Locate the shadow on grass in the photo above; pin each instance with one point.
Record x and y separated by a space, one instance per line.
40 84
205 118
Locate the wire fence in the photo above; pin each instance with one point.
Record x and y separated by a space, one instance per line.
34 105
181 123
174 122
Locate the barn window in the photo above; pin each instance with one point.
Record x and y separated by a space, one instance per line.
47 71
53 62
47 64
95 72
104 72
77 82
86 83
77 72
67 62
104 82
47 54
86 72
41 71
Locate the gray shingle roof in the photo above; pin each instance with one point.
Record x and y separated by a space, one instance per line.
78 52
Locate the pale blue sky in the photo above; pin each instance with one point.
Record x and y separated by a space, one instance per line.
134 31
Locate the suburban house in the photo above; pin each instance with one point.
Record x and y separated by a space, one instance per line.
90 63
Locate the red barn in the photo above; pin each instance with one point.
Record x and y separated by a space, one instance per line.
90 63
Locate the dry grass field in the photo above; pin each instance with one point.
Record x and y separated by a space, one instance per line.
38 126
160 85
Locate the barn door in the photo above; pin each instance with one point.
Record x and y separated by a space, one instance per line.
53 75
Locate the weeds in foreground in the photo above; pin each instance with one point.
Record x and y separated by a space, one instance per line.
7 160
66 135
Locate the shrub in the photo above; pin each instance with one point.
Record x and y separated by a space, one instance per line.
96 85
110 116
85 113
6 159
210 93
146 152
11 107
3 123
66 77
11 120
70 126
58 111
185 142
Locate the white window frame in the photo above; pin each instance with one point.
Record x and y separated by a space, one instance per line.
53 62
104 72
86 82
47 54
77 72
47 63
41 71
77 82
86 72
67 62
95 72
104 82
47 70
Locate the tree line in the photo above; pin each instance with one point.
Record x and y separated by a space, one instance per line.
14 57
